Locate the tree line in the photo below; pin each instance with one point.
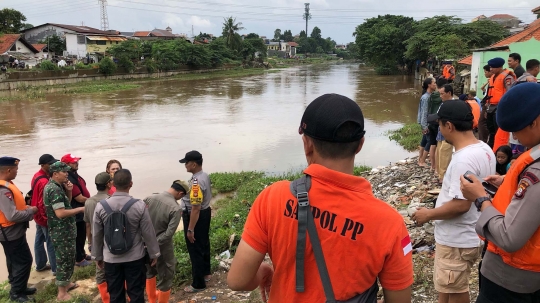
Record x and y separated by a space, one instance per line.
390 41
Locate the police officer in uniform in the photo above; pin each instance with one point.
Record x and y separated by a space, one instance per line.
14 217
61 223
509 221
165 213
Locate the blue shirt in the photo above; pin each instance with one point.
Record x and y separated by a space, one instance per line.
440 136
423 110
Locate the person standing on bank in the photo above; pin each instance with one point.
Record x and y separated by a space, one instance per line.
509 221
103 185
61 223
14 218
499 83
457 245
196 217
127 269
357 247
80 194
166 215
40 179
112 167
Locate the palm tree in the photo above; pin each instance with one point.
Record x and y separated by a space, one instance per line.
230 29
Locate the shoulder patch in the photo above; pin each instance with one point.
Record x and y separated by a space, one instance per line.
531 177
9 195
522 189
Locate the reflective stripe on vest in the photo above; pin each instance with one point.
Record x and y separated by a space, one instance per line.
528 257
497 87
18 197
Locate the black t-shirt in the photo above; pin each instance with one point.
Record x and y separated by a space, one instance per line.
519 71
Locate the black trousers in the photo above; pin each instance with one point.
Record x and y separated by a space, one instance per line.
80 241
133 274
199 252
19 263
492 126
493 293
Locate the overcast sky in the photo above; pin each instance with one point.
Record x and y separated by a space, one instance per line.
336 18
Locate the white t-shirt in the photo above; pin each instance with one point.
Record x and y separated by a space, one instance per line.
459 232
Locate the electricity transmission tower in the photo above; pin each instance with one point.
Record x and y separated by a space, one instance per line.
104 17
307 16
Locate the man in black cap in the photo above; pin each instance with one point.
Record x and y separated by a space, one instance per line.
457 245
14 217
40 179
358 247
499 83
509 221
196 217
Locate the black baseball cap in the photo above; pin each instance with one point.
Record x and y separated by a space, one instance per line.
191 156
46 159
326 114
453 111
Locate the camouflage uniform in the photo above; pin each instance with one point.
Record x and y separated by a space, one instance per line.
62 231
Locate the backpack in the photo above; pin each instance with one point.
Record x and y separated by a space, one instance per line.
300 188
28 197
116 228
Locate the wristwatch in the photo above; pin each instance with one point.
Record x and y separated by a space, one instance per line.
190 231
478 202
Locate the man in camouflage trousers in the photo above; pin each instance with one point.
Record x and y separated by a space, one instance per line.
61 223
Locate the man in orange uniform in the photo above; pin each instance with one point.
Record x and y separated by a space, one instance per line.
358 247
509 221
14 217
499 83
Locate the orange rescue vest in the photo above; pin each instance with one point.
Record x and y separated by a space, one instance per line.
18 197
497 87
446 72
528 257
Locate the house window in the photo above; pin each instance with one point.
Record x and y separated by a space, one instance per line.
101 42
81 39
116 42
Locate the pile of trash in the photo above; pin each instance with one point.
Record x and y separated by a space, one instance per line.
406 186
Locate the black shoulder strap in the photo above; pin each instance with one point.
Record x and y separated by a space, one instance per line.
300 188
106 206
36 181
74 179
128 205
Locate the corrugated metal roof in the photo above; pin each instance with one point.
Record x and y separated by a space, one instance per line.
101 38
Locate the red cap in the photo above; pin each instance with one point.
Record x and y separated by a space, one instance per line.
70 158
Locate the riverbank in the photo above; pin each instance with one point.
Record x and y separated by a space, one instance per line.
407 136
107 85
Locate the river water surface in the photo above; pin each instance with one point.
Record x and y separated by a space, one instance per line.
237 124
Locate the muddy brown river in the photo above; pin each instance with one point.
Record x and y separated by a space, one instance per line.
237 124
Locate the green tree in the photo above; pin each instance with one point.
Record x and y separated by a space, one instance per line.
380 40
250 47
55 44
287 36
426 30
449 46
252 36
303 34
107 66
230 32
11 21
277 34
27 25
201 36
482 33
316 33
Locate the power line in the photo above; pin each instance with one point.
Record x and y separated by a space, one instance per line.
55 4
59 12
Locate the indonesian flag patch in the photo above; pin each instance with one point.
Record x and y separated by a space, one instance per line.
406 245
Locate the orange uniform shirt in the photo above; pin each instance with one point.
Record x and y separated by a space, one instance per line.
475 111
362 238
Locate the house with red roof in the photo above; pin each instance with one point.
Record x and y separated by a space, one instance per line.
15 44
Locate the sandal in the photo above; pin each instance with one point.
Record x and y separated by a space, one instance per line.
74 286
191 290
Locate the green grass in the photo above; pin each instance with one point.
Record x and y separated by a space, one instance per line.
86 88
409 136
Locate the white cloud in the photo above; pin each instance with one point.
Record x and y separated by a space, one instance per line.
172 21
200 22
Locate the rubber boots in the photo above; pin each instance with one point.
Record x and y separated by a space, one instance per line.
103 292
163 296
151 290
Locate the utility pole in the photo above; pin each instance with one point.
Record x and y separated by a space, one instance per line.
307 16
192 32
104 17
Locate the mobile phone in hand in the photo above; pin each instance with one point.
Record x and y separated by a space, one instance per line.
468 175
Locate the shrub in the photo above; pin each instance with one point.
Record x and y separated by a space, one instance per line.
107 66
48 65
